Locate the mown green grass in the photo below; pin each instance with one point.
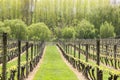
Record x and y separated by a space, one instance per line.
53 67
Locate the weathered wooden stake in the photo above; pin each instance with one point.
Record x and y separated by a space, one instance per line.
66 47
35 49
32 52
26 59
98 52
74 50
71 49
99 76
4 62
79 51
86 52
93 51
115 48
107 50
19 58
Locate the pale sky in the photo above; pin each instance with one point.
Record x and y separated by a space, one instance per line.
116 1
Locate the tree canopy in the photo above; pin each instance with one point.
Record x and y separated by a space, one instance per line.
17 27
85 30
39 31
68 33
107 30
85 16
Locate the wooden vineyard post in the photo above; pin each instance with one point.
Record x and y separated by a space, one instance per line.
86 52
89 48
66 47
74 50
31 66
4 62
62 45
19 58
26 59
71 49
99 72
107 50
115 47
98 52
93 52
32 52
102 46
36 49
79 51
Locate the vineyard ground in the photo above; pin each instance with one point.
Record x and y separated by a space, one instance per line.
53 67
78 74
32 74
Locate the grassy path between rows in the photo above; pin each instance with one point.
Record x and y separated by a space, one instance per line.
53 67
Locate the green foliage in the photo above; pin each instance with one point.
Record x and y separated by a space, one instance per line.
68 32
2 24
39 31
18 28
61 13
114 17
85 30
107 30
58 32
107 13
5 29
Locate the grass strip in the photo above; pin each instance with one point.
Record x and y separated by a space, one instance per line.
53 67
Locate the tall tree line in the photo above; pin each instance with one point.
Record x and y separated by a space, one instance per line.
47 10
62 13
